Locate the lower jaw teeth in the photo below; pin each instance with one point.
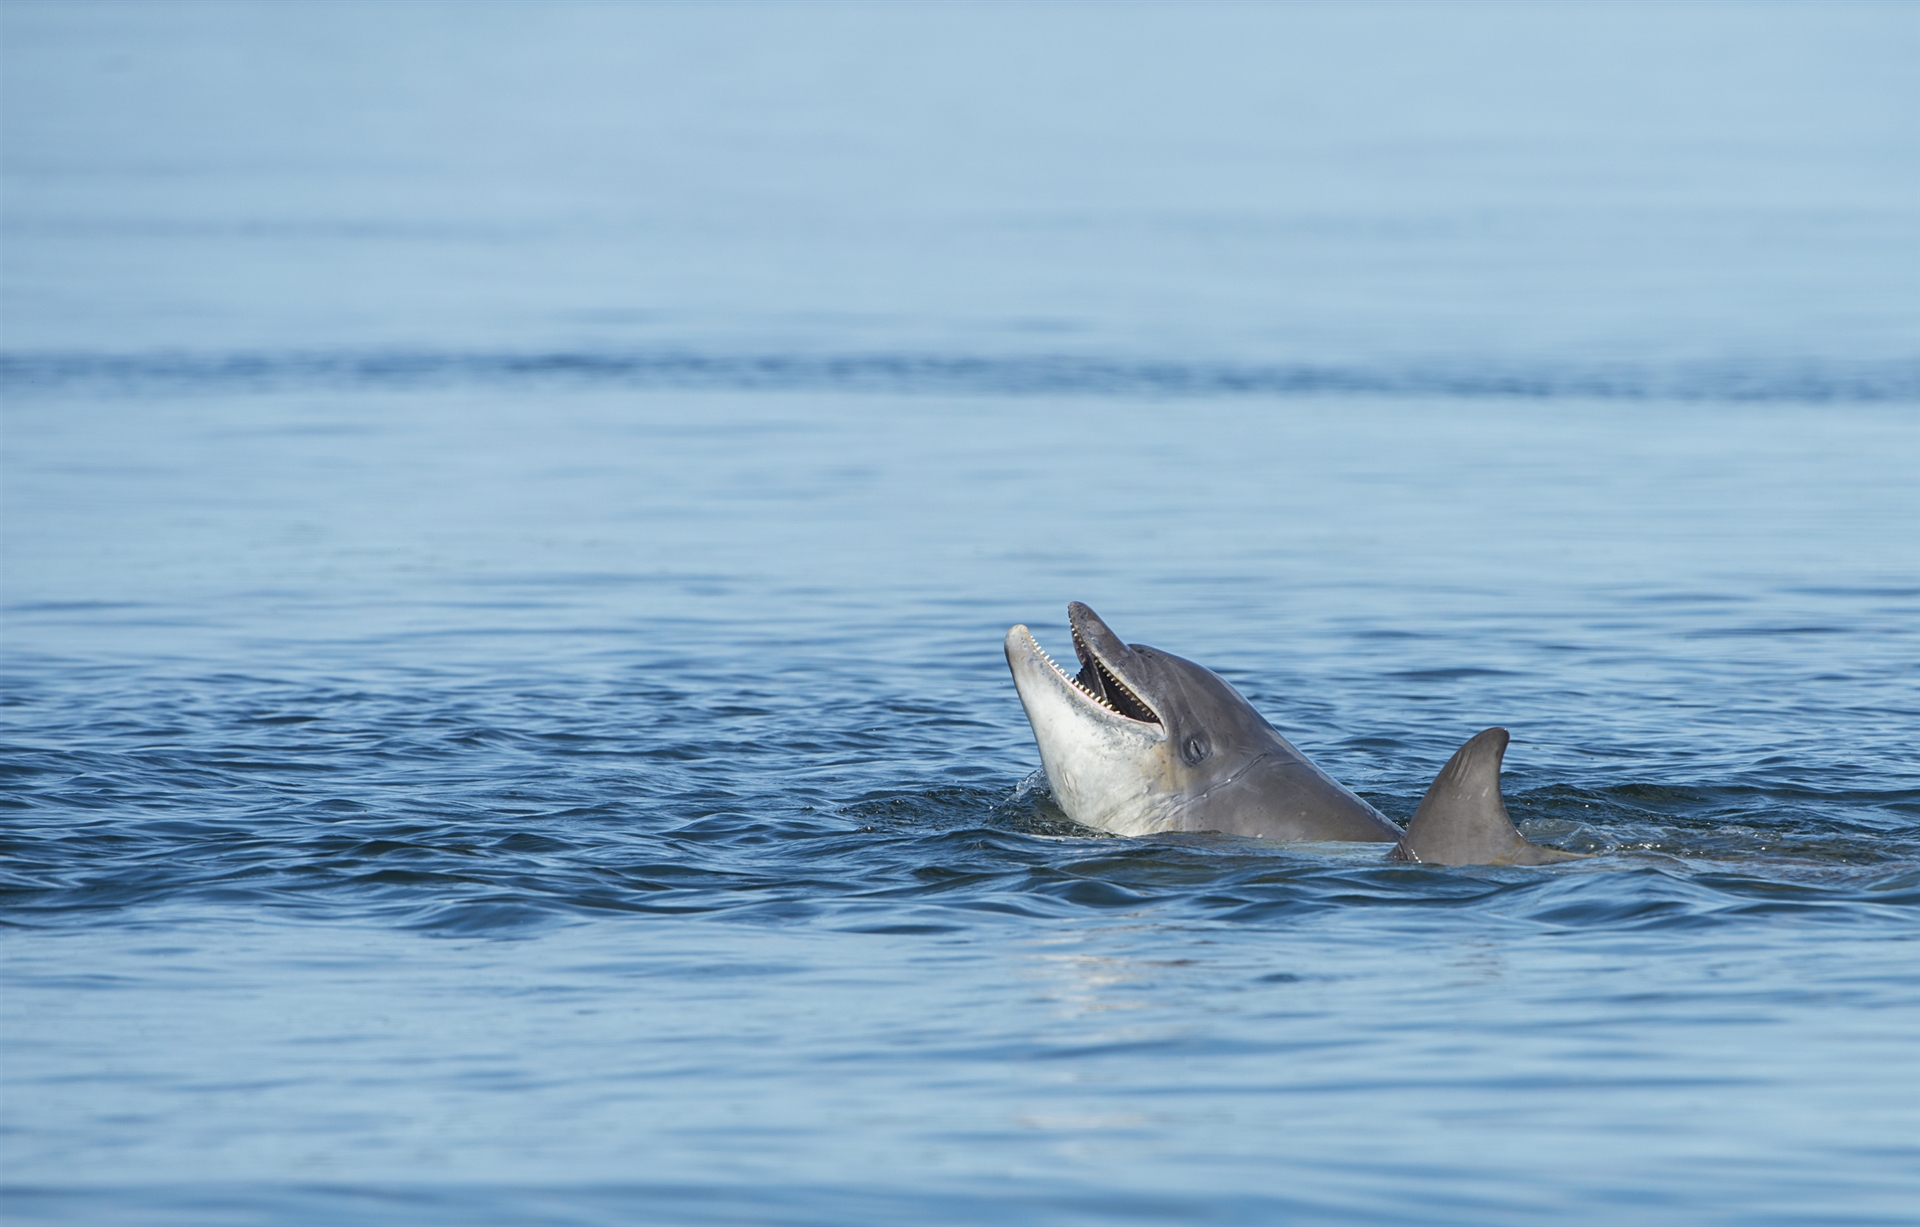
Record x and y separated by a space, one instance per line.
1077 685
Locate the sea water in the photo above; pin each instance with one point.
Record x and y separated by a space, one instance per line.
510 514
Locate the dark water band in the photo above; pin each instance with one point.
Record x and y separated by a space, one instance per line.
159 372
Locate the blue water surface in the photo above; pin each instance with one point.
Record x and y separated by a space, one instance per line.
510 512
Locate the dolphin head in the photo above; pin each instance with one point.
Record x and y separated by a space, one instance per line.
1140 740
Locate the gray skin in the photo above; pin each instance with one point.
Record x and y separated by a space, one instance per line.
1463 820
1142 741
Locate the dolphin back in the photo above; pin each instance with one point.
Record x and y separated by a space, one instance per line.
1463 819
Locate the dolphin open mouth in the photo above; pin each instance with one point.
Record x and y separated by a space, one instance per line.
1099 681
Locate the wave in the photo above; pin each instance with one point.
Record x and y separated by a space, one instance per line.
80 848
160 372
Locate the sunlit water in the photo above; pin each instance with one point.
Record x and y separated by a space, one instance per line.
505 567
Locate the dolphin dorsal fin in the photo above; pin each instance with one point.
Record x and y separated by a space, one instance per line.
1463 819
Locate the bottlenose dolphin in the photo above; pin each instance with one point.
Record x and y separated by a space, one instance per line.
1144 741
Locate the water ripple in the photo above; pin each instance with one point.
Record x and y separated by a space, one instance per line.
1805 380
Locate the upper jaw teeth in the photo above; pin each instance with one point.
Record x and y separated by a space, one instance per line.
1077 684
1074 681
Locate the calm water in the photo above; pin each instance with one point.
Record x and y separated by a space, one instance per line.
510 514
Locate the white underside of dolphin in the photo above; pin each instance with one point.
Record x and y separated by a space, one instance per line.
1141 742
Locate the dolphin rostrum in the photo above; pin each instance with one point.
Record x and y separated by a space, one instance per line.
1142 741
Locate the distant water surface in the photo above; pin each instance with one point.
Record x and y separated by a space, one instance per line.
509 522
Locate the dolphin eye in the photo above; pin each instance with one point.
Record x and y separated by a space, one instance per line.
1195 749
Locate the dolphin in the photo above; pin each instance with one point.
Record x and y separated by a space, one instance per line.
1463 820
1142 741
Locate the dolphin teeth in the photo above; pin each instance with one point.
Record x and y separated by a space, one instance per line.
1105 673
